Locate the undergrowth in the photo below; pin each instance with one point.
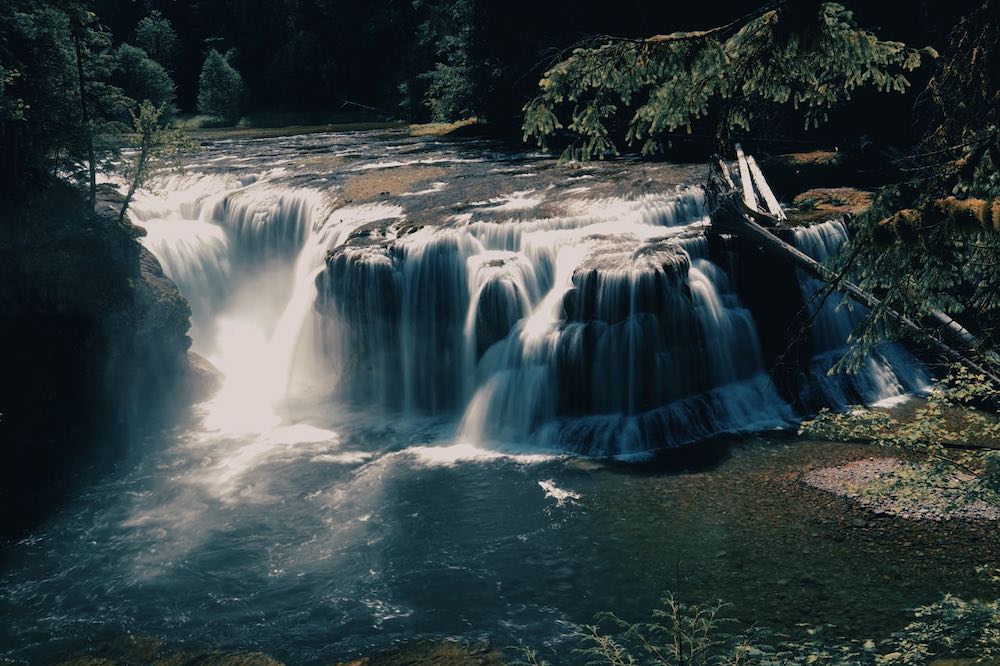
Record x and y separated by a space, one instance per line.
679 634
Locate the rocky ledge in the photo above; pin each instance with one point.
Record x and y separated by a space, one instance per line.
94 340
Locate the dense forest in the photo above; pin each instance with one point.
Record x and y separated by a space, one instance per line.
417 60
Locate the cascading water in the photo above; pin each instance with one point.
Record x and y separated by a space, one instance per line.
347 286
603 325
885 375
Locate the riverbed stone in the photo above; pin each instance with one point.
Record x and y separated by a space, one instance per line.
434 653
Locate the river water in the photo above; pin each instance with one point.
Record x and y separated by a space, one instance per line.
454 380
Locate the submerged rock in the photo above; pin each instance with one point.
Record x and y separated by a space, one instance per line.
434 653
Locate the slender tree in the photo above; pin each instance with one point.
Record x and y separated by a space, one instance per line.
155 145
79 22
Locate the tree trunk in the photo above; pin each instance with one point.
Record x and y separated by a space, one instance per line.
85 119
133 186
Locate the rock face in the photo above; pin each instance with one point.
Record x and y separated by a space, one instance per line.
92 337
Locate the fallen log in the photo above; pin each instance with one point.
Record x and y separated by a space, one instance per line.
729 213
749 197
773 207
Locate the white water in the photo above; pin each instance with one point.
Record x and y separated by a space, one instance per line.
885 376
604 328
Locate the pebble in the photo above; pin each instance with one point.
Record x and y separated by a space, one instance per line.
869 482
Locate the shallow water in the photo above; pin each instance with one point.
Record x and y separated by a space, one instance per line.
316 546
283 516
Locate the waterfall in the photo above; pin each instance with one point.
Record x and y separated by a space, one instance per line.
889 372
247 257
605 325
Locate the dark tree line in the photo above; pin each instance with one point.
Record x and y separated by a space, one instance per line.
72 70
440 59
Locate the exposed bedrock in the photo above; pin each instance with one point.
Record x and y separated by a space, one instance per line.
94 338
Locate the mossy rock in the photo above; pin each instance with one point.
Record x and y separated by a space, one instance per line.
825 203
434 653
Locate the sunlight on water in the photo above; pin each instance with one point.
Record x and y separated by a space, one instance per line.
606 327
448 455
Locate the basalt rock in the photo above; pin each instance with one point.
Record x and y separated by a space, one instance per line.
93 337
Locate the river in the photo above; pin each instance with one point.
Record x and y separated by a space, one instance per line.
455 378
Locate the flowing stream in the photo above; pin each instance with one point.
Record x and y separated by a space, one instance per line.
424 344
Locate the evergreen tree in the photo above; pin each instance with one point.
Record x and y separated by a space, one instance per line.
59 112
142 78
220 88
806 54
157 38
932 242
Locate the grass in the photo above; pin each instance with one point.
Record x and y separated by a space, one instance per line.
267 125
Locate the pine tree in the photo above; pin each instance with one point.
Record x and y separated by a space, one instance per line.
809 55
142 78
220 87
157 38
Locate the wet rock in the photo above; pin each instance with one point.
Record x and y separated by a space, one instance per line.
203 379
95 341
434 653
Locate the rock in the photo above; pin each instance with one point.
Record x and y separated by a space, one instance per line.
95 341
885 486
219 658
183 658
434 653
820 204
203 379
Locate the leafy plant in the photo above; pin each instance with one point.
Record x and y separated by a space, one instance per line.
948 429
682 635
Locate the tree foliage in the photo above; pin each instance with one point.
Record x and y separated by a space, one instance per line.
59 112
679 634
142 78
811 56
932 241
154 146
156 36
949 430
220 87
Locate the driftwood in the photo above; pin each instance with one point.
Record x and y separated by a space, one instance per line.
773 207
730 214
749 197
